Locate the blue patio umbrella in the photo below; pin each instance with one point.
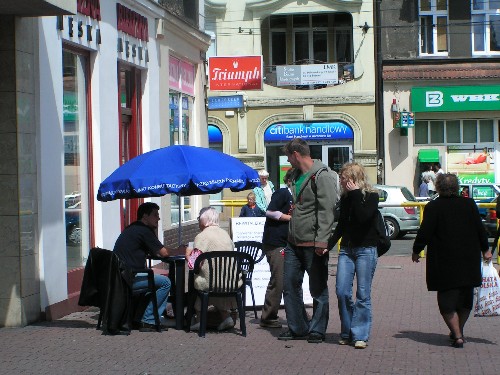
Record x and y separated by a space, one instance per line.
181 170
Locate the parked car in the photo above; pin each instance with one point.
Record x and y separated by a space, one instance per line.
490 220
481 193
72 216
399 220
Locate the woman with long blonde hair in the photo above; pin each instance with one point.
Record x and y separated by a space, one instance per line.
358 254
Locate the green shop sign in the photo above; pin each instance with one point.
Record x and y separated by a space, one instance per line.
455 98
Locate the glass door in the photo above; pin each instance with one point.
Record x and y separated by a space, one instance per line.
336 156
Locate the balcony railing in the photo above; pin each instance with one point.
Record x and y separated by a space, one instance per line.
188 10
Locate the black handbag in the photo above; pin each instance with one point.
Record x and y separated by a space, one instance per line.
383 241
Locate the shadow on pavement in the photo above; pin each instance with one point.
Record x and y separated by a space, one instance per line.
436 339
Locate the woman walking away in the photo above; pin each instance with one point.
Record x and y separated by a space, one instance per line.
358 254
455 237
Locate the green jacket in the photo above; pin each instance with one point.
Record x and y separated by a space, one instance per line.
312 216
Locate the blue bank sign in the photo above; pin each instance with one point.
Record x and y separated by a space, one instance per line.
308 131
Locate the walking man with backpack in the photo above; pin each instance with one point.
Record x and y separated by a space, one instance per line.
315 192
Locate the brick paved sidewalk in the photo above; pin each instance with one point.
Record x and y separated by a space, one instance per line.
408 337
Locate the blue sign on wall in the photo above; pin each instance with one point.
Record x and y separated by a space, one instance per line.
308 131
228 102
214 134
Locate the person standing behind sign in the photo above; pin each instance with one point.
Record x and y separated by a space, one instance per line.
314 191
264 192
251 209
274 239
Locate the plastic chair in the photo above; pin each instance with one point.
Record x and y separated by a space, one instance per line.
255 250
225 273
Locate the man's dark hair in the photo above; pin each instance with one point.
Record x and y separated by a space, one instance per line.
299 145
447 184
146 209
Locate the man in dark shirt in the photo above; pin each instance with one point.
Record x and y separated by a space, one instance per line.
134 243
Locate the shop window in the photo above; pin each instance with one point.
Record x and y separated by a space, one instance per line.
437 131
130 130
433 15
486 131
485 27
470 131
181 113
421 132
76 157
454 131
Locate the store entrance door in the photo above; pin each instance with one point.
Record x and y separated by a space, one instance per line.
336 156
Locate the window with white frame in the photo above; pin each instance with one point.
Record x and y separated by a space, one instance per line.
433 33
485 27
454 131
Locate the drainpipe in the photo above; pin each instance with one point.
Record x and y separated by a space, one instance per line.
379 95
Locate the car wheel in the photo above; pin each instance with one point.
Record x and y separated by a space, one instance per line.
392 227
75 235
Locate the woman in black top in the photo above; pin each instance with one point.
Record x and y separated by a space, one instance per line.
455 237
358 254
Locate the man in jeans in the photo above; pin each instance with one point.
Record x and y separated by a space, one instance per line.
134 243
315 192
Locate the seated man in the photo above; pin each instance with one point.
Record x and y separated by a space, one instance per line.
134 243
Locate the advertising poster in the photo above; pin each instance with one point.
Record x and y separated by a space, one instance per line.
473 166
251 229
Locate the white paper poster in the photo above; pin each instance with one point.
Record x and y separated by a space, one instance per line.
251 229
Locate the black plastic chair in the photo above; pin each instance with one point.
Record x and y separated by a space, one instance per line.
225 272
255 250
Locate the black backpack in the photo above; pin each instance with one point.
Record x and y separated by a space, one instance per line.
383 241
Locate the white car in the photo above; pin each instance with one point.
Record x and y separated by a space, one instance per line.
399 220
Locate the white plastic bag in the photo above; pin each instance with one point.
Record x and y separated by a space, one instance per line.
488 294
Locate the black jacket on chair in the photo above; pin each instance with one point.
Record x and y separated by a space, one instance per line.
107 284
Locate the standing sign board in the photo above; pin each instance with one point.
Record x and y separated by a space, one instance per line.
234 73
251 229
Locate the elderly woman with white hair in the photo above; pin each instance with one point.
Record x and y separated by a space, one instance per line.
211 238
264 192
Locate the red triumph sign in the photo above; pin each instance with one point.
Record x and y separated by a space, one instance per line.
230 73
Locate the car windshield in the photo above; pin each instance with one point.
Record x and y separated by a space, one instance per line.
408 195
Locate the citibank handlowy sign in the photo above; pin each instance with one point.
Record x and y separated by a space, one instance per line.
455 98
308 131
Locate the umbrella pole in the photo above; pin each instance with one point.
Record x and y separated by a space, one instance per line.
180 222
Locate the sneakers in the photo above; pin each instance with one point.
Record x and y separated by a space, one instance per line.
315 338
360 344
274 323
226 324
195 327
344 341
289 335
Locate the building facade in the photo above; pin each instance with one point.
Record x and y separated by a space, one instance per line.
103 82
440 71
318 81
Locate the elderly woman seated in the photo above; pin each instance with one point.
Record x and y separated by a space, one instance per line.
211 238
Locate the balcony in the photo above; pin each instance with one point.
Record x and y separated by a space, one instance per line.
187 10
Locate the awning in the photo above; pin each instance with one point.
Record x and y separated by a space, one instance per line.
428 155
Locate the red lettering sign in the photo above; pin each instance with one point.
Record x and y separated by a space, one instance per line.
235 73
91 8
131 23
